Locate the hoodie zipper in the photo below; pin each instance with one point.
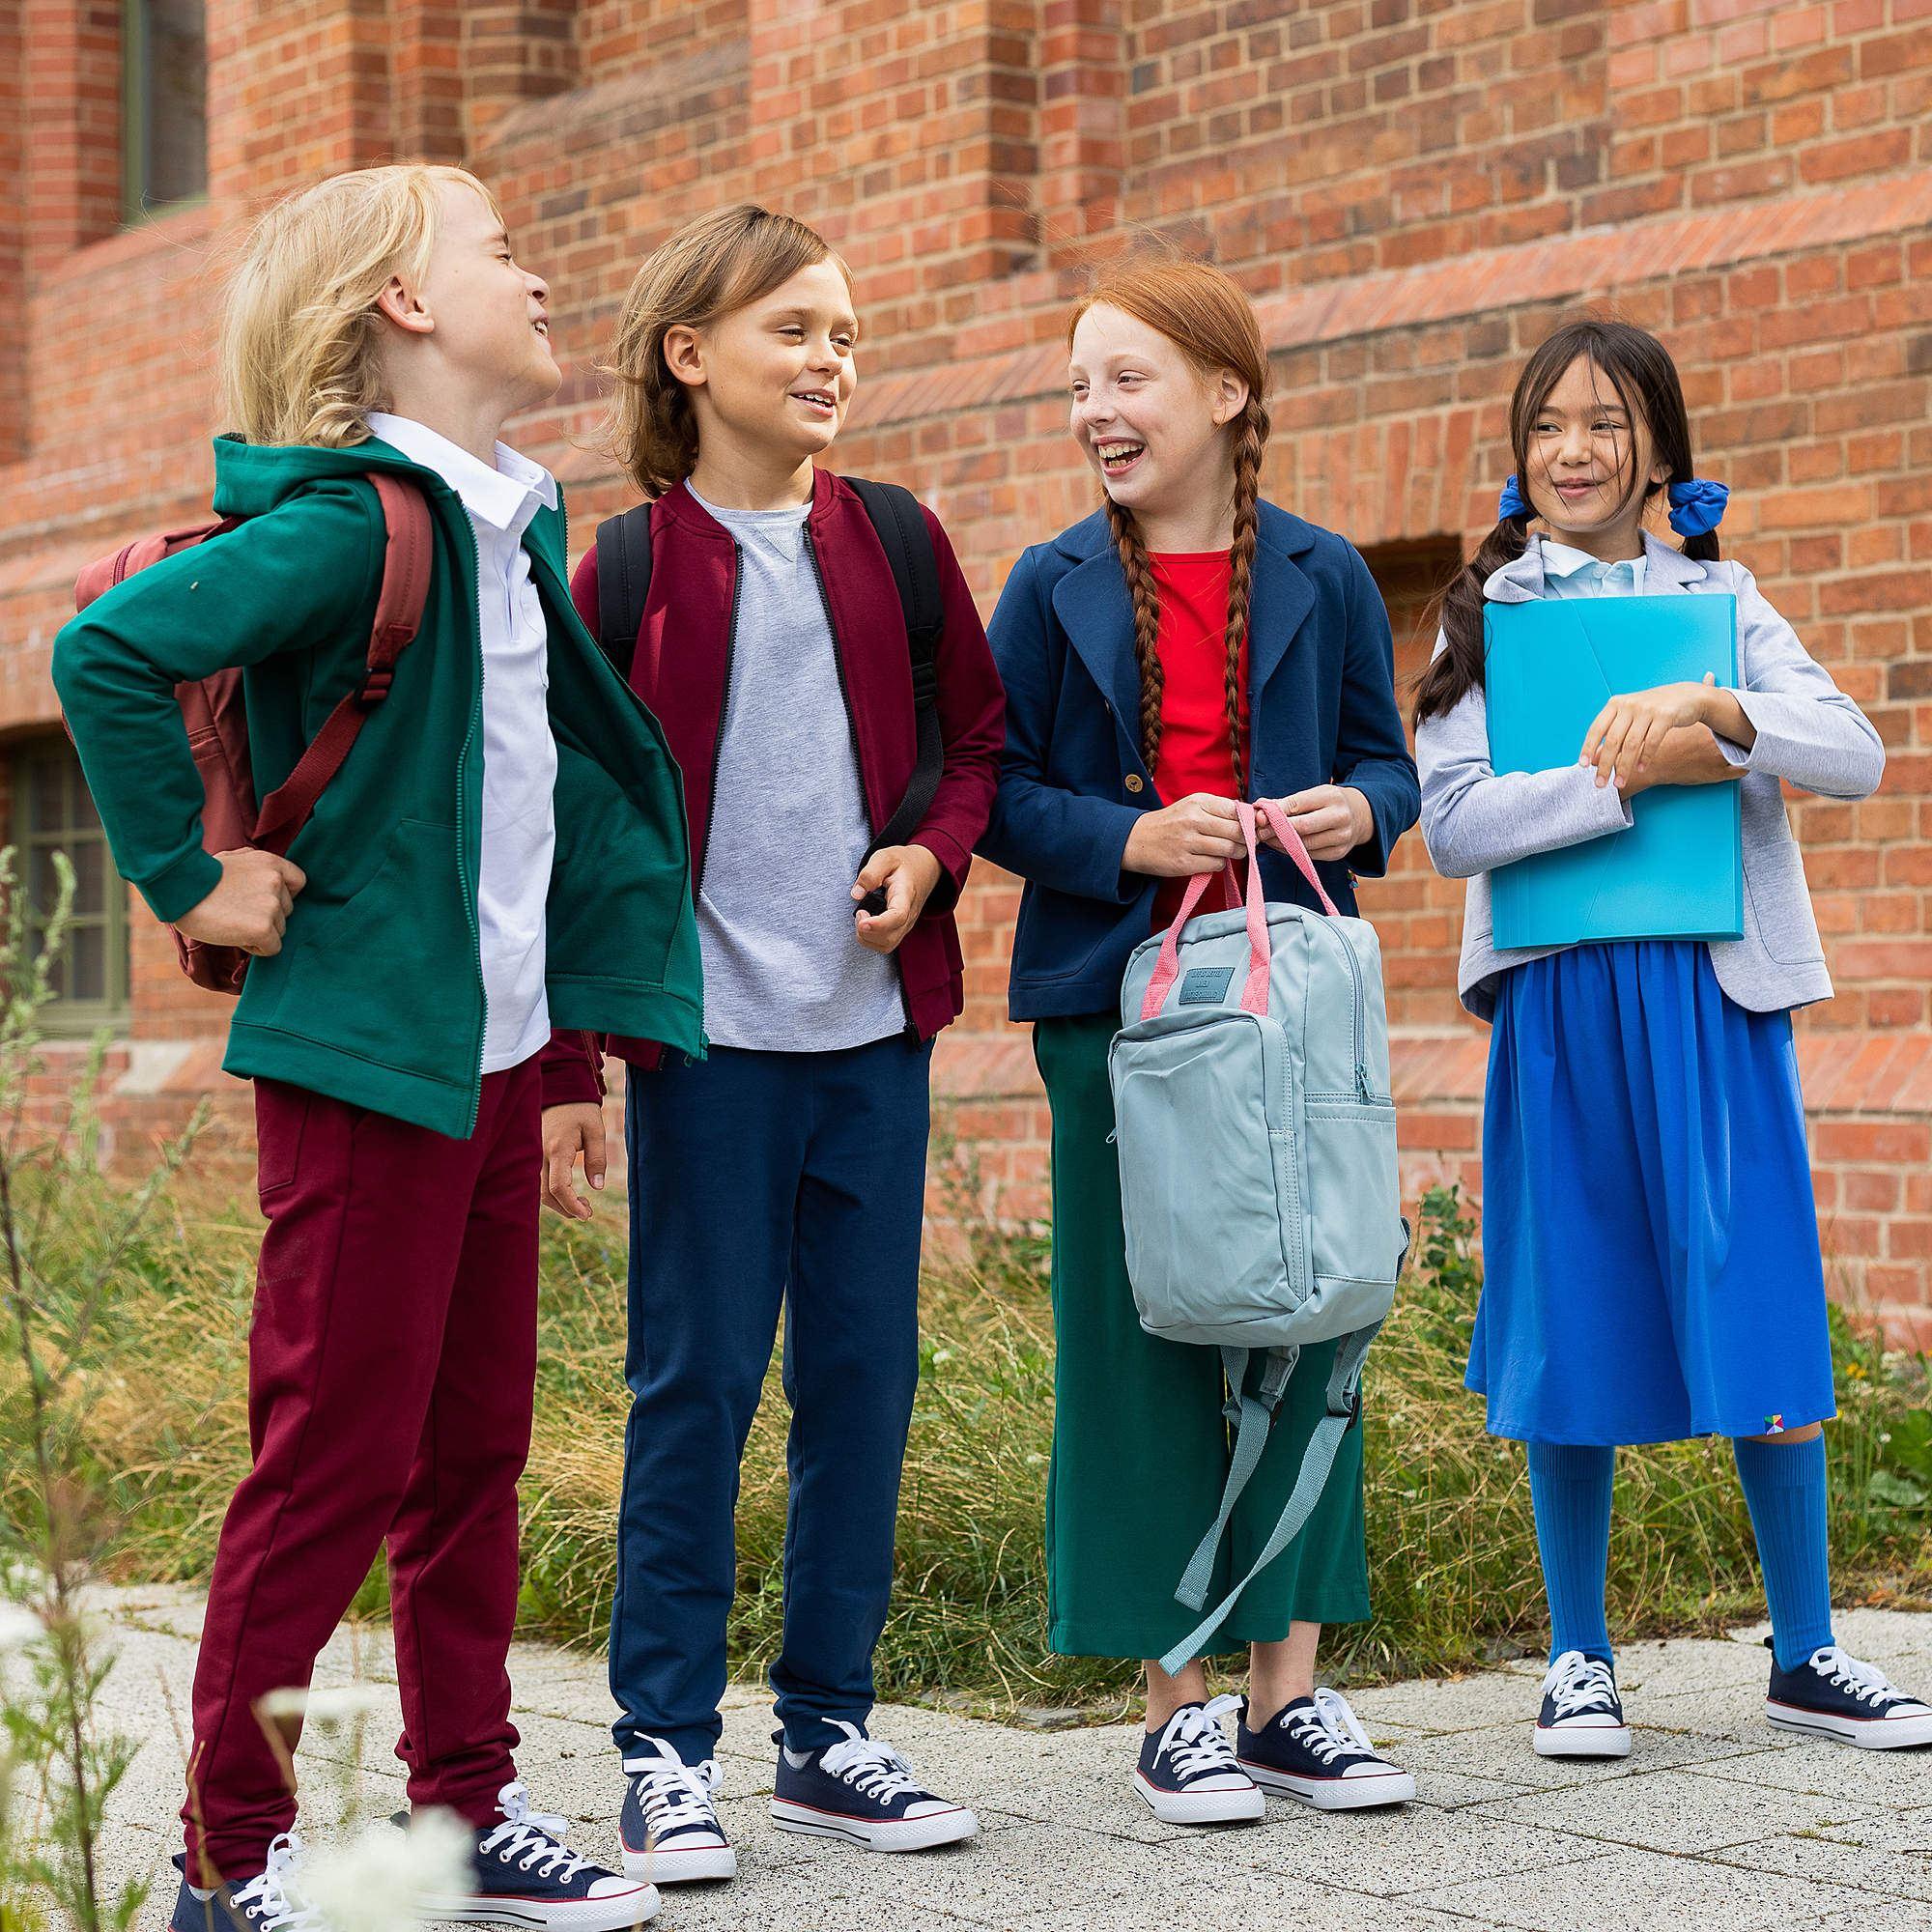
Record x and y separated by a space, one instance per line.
852 731
470 910
723 705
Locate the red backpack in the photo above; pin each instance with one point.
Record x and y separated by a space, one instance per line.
217 721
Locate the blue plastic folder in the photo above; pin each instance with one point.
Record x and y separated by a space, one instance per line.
1551 666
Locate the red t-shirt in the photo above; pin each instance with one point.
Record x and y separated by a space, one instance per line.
1195 752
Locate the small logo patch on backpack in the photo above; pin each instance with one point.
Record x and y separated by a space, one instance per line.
1205 986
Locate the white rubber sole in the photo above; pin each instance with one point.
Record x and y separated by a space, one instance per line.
1583 1741
1865 1733
1335 1794
1201 1808
901 1834
687 1866
617 1914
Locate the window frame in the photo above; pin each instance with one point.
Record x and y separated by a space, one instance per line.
135 207
64 1016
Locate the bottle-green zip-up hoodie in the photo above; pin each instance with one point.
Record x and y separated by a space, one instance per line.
377 995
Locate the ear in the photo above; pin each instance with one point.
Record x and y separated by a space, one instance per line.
684 354
402 305
1230 397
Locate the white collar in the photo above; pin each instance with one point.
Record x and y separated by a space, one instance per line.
505 497
1566 560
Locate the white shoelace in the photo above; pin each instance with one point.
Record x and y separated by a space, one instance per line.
1580 1683
674 1794
1194 1741
525 1838
868 1765
1867 1682
269 1896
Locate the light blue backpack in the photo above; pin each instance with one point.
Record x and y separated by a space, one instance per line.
1258 1166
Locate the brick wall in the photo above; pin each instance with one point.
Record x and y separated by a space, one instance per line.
1412 190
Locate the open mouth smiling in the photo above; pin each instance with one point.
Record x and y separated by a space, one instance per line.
1118 455
820 401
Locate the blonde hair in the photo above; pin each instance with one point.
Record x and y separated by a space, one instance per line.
709 269
300 333
1204 313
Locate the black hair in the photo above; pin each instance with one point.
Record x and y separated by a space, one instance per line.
1638 369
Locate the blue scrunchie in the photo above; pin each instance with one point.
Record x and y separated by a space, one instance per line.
1697 507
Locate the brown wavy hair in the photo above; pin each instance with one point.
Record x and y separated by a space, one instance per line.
709 269
1204 313
1637 369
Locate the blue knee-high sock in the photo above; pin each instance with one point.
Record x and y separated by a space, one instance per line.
1784 1487
1570 1485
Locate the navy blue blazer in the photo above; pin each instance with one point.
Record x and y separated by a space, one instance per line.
1321 710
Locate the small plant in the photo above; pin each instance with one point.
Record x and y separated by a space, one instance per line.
57 1264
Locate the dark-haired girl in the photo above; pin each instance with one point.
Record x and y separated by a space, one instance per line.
1185 647
1651 1245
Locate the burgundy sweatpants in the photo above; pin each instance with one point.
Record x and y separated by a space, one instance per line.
390 1372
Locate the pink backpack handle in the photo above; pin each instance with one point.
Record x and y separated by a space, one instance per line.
1260 959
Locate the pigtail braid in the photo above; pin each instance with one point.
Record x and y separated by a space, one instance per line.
1250 436
1146 594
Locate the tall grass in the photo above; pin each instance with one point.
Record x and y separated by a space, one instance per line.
1451 1547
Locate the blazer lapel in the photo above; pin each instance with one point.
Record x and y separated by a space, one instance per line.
1094 611
1280 600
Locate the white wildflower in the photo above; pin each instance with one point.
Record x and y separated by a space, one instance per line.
385 1879
339 1704
19 1627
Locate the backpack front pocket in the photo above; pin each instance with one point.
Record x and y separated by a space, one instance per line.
1205 1122
1355 1216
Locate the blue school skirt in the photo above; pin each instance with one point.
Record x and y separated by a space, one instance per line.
1650 1241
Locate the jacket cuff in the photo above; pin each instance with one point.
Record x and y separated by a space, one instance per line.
173 894
954 865
571 1074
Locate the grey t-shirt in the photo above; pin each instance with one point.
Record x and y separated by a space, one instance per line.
784 969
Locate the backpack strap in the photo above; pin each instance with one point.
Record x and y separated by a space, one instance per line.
399 609
901 528
1252 1416
1344 1403
623 583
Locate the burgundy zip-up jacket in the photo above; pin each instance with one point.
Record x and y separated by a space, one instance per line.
680 671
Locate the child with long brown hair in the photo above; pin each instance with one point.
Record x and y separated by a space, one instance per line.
1187 645
1652 1267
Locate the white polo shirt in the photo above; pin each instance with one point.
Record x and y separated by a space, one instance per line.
519 834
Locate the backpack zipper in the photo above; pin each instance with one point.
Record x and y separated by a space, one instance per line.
852 731
1362 1085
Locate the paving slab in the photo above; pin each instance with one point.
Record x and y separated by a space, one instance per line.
1714 1820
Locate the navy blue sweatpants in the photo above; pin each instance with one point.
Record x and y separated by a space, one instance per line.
761 1181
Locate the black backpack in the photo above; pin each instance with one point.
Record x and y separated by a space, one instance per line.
624 582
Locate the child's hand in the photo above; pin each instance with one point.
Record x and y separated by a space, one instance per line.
1331 819
251 907
1630 729
1196 834
1689 755
567 1132
906 874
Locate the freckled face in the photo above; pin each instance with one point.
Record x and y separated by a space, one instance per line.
1146 415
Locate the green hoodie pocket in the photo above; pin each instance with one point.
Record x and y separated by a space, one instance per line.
390 975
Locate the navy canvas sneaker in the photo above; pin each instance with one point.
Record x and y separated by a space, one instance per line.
669 1828
526 1877
1581 1714
1833 1695
862 1790
1187 1772
271 1902
1315 1750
